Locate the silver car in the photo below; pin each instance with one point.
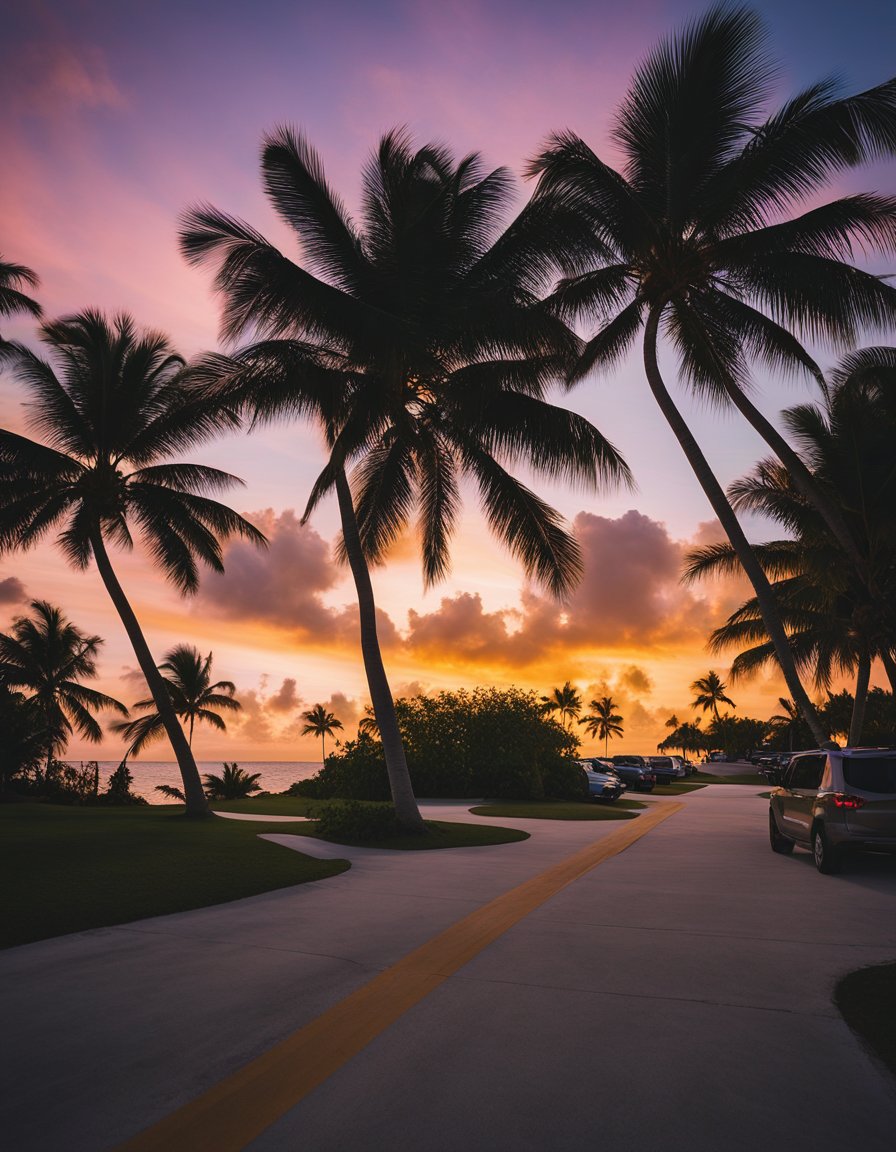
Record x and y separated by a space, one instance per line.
833 801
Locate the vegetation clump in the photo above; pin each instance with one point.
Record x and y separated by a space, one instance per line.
352 820
488 742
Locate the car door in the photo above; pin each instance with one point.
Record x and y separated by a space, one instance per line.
798 793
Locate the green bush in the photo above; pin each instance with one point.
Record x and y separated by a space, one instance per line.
565 780
357 772
487 742
352 820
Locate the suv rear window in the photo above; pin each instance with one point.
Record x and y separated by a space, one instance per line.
871 773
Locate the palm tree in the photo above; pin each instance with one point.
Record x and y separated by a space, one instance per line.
566 701
233 784
787 720
835 622
320 722
13 278
48 656
111 416
418 342
603 722
690 240
710 693
187 675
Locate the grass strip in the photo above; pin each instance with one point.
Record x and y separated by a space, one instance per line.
737 778
559 810
439 834
866 1000
81 868
678 788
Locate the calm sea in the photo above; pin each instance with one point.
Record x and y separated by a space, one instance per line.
276 775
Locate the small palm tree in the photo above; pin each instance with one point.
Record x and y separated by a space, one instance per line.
171 792
13 278
320 722
710 693
232 784
187 675
115 411
48 656
691 241
565 701
603 721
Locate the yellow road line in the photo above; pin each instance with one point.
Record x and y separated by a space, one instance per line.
231 1114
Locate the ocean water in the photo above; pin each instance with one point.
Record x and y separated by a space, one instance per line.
276 775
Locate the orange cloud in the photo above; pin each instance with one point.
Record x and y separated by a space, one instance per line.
284 585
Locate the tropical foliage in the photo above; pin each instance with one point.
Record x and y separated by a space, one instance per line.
487 742
603 721
112 412
48 657
187 676
233 783
417 339
13 279
710 693
565 701
840 617
695 239
320 722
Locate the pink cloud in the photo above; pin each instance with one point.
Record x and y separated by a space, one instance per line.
12 591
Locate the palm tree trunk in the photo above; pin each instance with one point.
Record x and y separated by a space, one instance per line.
857 721
380 694
723 510
196 801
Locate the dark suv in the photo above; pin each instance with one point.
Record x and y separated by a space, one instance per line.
832 801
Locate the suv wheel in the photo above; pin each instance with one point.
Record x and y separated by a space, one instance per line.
828 859
779 843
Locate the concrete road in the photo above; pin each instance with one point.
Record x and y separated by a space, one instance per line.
675 997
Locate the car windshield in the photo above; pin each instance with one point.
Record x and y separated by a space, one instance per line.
871 773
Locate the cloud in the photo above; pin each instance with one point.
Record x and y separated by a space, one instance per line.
285 699
636 679
629 596
284 585
12 591
459 629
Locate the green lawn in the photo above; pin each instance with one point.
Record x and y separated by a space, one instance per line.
440 834
679 788
76 868
559 810
740 778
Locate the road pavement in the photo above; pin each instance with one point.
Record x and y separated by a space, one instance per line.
677 996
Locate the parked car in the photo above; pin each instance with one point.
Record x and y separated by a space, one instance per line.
831 802
635 772
602 785
666 769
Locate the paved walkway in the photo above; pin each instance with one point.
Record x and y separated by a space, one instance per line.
677 996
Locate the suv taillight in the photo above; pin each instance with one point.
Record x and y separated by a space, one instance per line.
845 800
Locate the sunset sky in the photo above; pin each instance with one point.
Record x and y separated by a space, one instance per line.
119 115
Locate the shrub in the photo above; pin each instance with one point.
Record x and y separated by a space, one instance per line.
564 780
118 790
487 742
352 820
357 772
